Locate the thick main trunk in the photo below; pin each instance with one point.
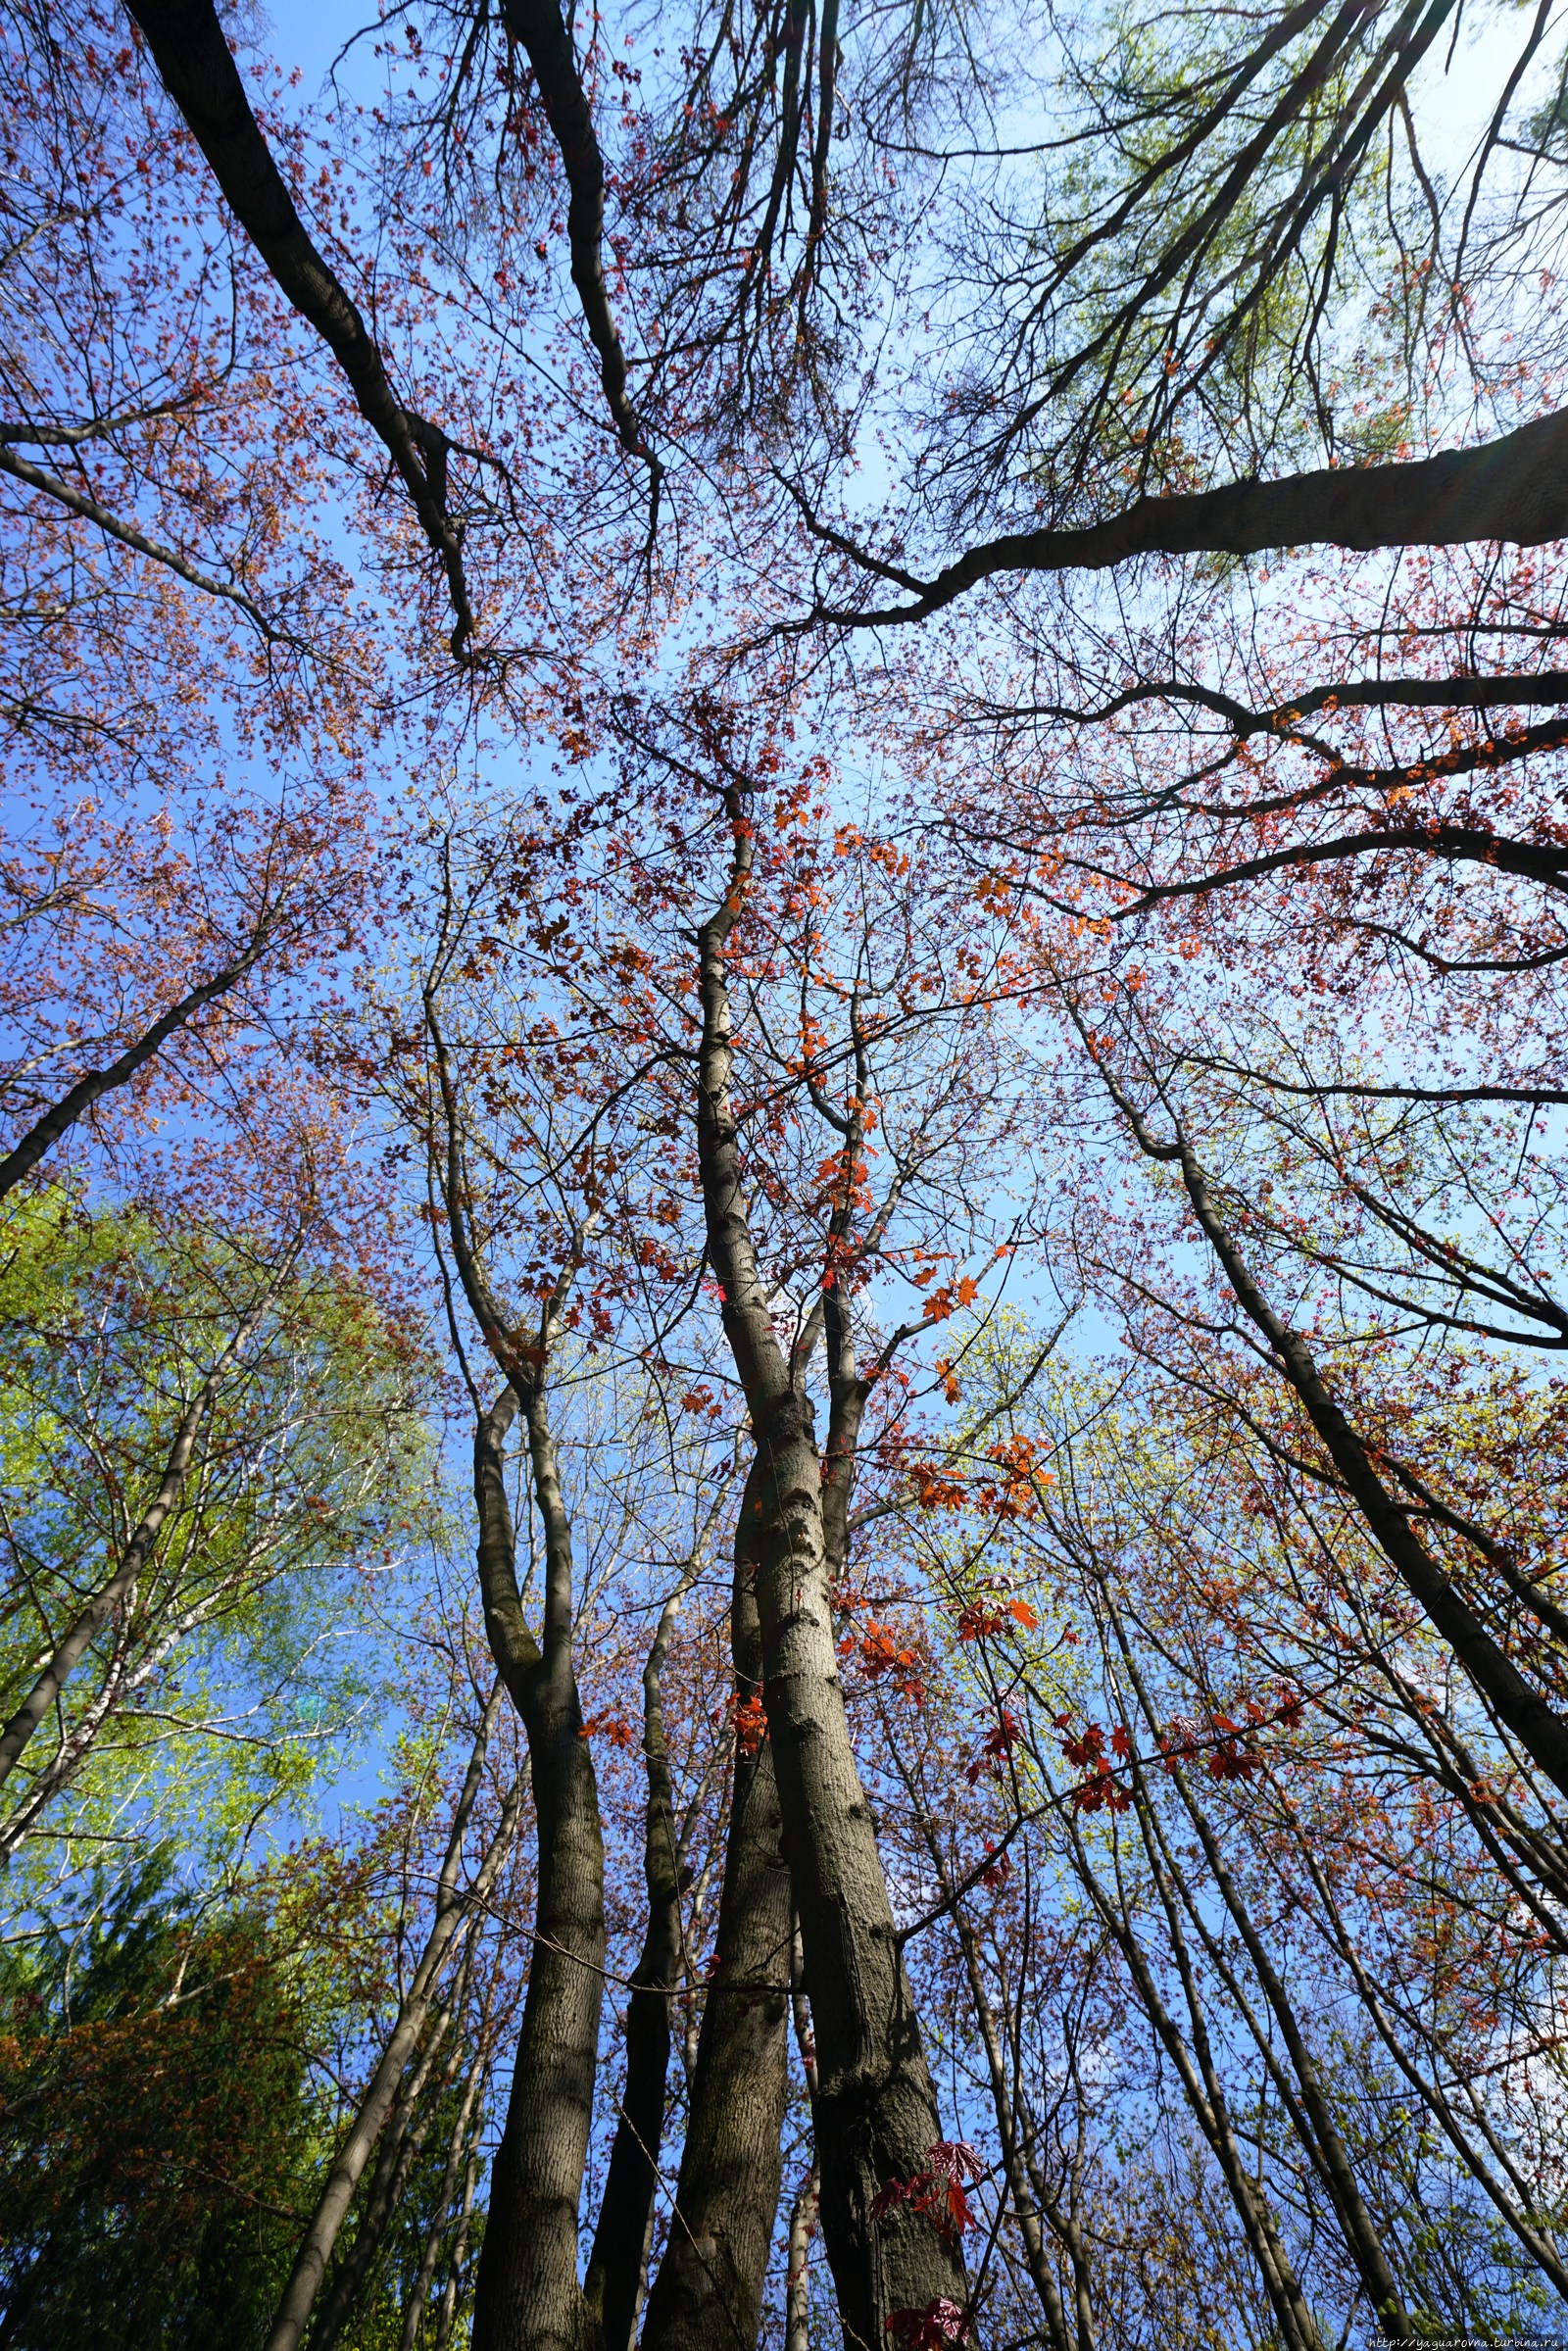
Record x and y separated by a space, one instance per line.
527 2296
876 2111
709 2290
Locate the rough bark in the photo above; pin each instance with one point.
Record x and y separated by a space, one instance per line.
1514 488
876 2114
709 2290
527 2296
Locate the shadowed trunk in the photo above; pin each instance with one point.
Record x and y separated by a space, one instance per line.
617 2264
708 2291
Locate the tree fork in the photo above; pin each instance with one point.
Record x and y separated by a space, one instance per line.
876 2118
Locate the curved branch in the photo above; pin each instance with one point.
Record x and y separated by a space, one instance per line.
196 69
1515 489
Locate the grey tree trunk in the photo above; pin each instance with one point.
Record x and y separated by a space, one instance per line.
876 2112
527 2295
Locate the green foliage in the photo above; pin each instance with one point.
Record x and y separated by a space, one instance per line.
232 1677
156 2136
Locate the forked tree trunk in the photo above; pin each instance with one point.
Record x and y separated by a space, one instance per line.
876 2112
527 2296
709 2290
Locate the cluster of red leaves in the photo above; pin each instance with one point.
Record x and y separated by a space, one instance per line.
609 1724
1012 1495
1084 1750
1008 1490
982 1621
996 1872
995 1750
935 1488
936 2193
1224 1744
883 1657
749 1719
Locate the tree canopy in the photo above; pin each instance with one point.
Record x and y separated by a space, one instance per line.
782 1200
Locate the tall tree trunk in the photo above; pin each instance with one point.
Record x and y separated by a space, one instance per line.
1516 1704
456 2146
876 2116
447 2314
1198 2076
527 2296
1314 2116
805 2212
400 2149
709 2290
617 2263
